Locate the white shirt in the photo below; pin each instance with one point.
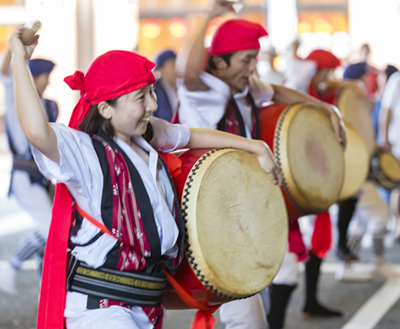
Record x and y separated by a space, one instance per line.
298 74
391 100
204 109
19 141
268 74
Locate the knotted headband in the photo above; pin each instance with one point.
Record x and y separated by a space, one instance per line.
111 75
236 34
324 59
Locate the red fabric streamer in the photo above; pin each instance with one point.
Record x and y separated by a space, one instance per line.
203 318
322 236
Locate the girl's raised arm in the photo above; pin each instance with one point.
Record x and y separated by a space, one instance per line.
204 138
31 114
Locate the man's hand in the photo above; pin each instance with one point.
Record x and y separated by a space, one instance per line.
267 162
337 124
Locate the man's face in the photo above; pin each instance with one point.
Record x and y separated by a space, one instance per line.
242 66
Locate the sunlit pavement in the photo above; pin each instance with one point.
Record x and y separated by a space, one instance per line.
365 305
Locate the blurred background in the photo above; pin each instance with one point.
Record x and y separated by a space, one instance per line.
75 32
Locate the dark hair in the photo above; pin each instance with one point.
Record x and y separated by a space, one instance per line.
93 121
226 58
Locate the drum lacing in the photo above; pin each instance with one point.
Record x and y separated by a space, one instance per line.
278 158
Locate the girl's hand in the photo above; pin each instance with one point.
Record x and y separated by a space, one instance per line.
18 49
267 162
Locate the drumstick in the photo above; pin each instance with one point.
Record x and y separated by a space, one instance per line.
29 32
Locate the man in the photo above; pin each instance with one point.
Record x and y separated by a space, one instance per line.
28 186
226 98
165 87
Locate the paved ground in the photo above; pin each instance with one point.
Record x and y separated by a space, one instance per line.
377 302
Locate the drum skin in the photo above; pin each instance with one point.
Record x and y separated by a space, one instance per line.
199 275
297 198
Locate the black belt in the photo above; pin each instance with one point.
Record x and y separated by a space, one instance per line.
132 288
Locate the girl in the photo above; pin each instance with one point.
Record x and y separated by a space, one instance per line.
118 183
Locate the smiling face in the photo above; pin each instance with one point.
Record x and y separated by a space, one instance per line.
131 114
236 75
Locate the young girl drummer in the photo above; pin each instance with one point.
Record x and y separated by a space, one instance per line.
118 184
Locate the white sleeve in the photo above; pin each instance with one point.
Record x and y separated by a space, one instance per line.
391 94
299 74
203 109
79 164
168 137
262 92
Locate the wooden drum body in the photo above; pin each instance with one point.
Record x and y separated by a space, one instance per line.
356 160
308 154
236 227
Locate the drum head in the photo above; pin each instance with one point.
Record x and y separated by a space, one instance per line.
390 166
356 159
310 157
236 223
357 112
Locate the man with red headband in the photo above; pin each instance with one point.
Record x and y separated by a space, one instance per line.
226 97
114 190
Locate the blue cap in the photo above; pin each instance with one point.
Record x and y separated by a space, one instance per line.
355 71
39 66
165 55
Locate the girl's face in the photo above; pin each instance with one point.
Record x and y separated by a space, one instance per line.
131 114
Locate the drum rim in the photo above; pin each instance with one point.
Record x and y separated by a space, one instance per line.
282 158
194 254
378 173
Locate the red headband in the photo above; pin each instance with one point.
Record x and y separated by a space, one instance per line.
235 35
111 75
324 59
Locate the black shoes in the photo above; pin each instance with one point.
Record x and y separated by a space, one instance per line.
317 310
345 254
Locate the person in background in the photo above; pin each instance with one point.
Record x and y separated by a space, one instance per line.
266 69
364 212
165 87
388 133
371 76
27 184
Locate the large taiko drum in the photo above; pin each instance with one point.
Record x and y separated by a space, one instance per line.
236 227
355 110
308 154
